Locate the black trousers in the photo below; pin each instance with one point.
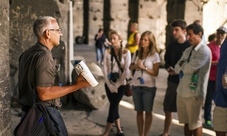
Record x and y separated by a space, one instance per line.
114 99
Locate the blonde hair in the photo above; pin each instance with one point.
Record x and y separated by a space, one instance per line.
135 25
152 46
121 43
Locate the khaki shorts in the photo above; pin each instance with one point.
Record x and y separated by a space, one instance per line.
220 119
189 110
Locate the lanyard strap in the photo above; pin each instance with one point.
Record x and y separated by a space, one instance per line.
190 54
118 63
144 65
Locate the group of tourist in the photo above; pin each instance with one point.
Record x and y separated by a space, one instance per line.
191 65
117 61
188 61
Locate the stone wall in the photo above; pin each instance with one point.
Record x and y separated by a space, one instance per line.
95 19
213 19
119 14
5 116
193 11
212 13
175 10
78 18
152 17
133 12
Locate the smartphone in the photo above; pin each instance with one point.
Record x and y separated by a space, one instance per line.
169 70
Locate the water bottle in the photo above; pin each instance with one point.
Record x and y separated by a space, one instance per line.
194 80
225 77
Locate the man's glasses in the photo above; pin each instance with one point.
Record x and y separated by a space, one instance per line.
58 30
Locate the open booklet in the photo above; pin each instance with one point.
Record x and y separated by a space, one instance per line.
81 68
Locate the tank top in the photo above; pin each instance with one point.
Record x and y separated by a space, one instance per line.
131 40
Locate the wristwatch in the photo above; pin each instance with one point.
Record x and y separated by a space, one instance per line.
145 68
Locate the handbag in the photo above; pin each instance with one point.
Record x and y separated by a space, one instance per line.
128 89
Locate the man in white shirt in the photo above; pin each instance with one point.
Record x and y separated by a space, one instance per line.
196 60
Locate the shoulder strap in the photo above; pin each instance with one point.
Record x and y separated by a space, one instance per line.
118 63
137 53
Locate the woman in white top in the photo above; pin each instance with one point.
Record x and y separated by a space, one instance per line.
115 75
146 64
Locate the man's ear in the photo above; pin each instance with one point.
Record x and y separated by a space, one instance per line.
200 34
47 34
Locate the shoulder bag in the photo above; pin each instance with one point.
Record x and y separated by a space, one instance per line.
128 90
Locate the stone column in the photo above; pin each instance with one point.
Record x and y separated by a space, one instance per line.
152 17
60 10
119 13
106 16
95 19
193 11
133 10
78 19
175 10
5 116
86 21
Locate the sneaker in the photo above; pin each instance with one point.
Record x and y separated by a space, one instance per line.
208 124
98 62
120 134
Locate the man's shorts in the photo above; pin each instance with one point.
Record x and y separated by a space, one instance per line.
220 119
170 99
189 111
143 98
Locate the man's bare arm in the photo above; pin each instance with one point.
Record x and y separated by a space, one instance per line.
53 92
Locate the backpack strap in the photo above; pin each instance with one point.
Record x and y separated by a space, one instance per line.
133 71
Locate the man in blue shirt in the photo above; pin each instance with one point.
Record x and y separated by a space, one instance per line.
220 95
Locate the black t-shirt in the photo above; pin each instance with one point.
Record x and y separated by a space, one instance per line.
100 41
173 54
36 68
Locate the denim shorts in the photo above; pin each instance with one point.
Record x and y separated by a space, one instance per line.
143 98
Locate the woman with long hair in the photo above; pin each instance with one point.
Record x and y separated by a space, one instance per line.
146 65
116 67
